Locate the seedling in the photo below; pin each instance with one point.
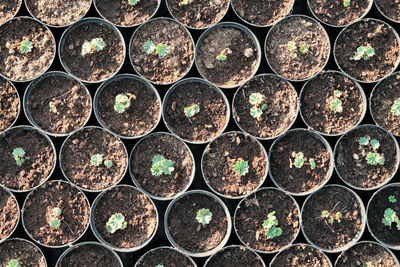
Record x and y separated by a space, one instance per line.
183 2
108 163
97 44
222 56
241 167
123 102
300 160
332 216
364 52
24 46
392 199
19 155
390 217
133 2
159 265
292 47
369 150
259 105
97 160
395 109
52 106
161 165
270 226
13 263
55 218
346 3
160 49
191 110
204 216
336 104
116 222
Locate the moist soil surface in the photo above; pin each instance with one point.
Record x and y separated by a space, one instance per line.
282 102
143 113
205 125
299 180
367 32
123 14
389 8
166 257
262 13
71 100
222 154
238 256
78 150
187 232
162 69
336 235
18 66
139 213
96 66
58 12
8 8
253 210
9 104
301 30
171 148
316 99
382 100
198 14
75 213
39 159
352 166
241 56
9 213
301 255
24 252
333 12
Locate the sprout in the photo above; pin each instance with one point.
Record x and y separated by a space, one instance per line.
390 217
332 216
161 165
363 141
183 2
292 47
116 222
96 160
133 2
223 54
13 263
257 100
375 159
159 265
303 49
395 109
52 106
160 49
55 220
369 149
204 216
191 110
97 44
241 167
336 105
108 163
299 161
392 199
19 155
364 52
24 47
269 226
367 264
346 3
123 102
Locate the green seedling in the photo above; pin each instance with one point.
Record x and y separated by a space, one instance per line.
96 160
259 105
300 160
191 110
160 49
395 109
55 218
332 216
364 52
346 3
19 155
161 166
336 104
108 163
292 47
392 199
97 44
223 55
159 265
204 216
183 2
24 46
13 263
241 167
123 102
133 2
116 222
270 226
390 217
369 150
52 106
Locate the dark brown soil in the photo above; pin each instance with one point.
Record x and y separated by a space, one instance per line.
238 256
301 255
336 235
262 13
382 100
205 125
166 257
90 255
40 159
253 210
198 14
221 155
58 12
358 172
300 180
72 101
75 213
139 212
96 66
317 96
123 14
171 67
24 252
22 67
8 9
333 12
142 115
171 148
81 146
301 30
186 231
9 213
282 102
368 32
389 8
368 252
240 64
9 104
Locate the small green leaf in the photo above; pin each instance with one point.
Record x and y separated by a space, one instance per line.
374 144
312 163
119 108
255 112
346 3
292 46
392 199
97 44
330 221
303 49
162 49
241 167
269 226
133 2
337 93
256 98
122 102
293 54
157 158
159 265
96 160
19 155
149 47
26 46
325 214
395 109
375 158
108 163
183 2
168 167
363 141
116 222
56 211
336 105
204 216
192 110
390 217
86 48
55 223
364 53
264 107
13 263
161 165
299 160
221 57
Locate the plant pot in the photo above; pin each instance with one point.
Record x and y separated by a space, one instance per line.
212 118
300 180
140 215
137 120
387 235
319 106
364 33
18 66
387 8
282 106
58 14
235 255
96 66
161 186
10 105
71 100
179 51
351 162
242 54
122 14
188 235
300 255
37 214
198 15
165 256
24 251
76 159
298 64
341 227
252 212
38 163
89 254
224 153
9 210
10 9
